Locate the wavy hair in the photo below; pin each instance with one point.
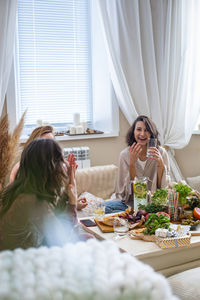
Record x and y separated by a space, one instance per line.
150 126
38 132
41 173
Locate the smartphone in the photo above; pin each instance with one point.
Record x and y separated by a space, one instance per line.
88 223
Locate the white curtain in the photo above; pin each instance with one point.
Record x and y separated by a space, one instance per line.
8 10
154 55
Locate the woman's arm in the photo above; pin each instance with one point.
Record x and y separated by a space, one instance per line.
14 172
160 170
161 157
134 153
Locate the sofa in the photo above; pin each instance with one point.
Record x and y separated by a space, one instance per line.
95 183
99 181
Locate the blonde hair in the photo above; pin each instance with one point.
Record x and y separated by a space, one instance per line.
38 133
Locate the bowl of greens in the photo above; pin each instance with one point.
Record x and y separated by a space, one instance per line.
160 197
183 190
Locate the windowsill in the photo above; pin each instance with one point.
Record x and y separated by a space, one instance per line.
23 138
196 132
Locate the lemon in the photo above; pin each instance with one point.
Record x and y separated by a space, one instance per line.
140 190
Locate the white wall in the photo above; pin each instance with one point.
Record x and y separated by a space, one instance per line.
106 150
188 158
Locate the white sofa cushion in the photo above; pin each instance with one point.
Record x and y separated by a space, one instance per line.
186 285
91 270
194 182
99 181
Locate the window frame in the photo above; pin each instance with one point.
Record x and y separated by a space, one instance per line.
98 58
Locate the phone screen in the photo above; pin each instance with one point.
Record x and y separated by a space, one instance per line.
88 223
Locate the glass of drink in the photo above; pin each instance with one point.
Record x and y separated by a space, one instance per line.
99 209
152 142
121 228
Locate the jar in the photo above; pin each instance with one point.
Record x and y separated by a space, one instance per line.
140 191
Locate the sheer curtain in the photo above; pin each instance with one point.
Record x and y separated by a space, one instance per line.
8 10
154 56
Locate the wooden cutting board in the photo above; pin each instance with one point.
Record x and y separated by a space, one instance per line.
195 233
103 227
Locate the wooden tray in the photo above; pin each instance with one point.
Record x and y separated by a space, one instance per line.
103 227
87 133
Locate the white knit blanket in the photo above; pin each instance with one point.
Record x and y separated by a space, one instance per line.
90 270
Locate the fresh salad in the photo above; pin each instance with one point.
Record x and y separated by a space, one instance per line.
155 221
160 197
183 190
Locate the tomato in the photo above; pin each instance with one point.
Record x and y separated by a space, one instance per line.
146 217
196 213
162 213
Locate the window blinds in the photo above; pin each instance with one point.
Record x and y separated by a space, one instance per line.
54 60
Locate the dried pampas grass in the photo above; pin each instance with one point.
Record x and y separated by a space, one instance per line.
9 145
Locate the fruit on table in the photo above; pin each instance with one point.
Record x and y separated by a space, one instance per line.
162 213
196 213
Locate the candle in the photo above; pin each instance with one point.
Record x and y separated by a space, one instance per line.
79 129
84 124
72 130
76 118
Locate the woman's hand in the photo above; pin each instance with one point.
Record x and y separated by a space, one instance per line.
155 154
82 203
134 152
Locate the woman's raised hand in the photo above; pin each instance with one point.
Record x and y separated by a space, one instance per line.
155 154
134 151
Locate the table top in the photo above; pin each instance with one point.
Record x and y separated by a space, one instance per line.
137 248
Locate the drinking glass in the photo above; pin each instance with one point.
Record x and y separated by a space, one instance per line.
99 209
121 228
152 142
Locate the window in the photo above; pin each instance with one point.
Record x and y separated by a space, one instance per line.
59 66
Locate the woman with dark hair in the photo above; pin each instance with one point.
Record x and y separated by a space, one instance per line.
133 162
45 132
39 206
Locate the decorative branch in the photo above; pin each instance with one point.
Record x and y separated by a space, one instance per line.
9 145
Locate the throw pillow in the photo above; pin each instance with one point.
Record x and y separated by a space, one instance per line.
194 182
185 285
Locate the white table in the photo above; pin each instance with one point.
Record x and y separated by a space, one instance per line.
165 261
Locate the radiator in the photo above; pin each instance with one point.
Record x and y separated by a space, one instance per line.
82 155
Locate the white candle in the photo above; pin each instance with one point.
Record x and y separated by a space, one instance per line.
72 130
76 118
79 129
84 124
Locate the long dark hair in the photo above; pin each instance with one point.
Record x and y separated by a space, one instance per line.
40 173
150 126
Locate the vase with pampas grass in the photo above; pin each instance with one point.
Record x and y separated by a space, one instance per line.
9 145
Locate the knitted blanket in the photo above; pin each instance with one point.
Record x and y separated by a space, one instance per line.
86 270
